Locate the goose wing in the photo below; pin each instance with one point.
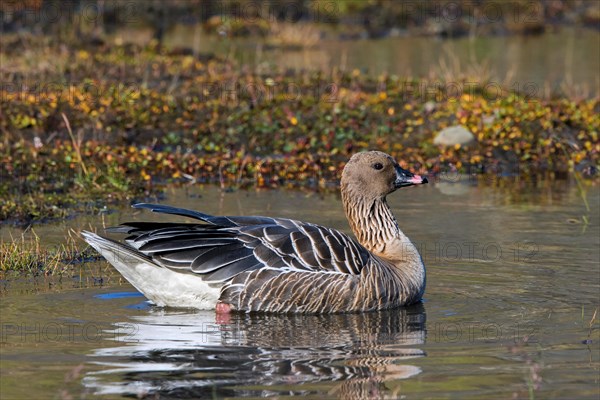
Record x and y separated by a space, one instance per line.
223 247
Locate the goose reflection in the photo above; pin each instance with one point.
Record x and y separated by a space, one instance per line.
189 355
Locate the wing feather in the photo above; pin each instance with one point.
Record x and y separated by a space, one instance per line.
224 247
220 256
182 243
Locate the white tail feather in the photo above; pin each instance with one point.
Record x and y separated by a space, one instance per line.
161 285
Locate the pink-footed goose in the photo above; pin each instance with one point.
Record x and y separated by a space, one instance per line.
277 264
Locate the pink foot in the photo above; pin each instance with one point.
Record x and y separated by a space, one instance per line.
223 308
223 311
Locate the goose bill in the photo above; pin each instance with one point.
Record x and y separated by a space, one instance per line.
407 178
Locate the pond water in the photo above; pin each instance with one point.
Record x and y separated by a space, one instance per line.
533 65
513 283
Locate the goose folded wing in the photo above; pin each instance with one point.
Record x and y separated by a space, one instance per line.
243 244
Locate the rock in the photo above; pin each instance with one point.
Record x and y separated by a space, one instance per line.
430 107
454 135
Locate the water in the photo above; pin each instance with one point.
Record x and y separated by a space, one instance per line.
513 282
533 65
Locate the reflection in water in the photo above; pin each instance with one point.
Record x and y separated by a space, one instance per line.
189 355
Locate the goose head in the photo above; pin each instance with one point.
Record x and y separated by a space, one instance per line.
376 174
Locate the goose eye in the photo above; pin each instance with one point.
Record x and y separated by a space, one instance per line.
378 166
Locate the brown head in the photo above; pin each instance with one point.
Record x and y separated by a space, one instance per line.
374 174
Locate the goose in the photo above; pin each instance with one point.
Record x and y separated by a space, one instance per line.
278 265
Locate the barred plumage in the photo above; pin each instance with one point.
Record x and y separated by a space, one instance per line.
275 264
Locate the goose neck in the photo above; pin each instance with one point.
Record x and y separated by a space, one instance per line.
373 223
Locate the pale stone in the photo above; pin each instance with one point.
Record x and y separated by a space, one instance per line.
454 135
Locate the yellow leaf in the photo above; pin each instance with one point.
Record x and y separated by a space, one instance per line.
588 145
82 54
